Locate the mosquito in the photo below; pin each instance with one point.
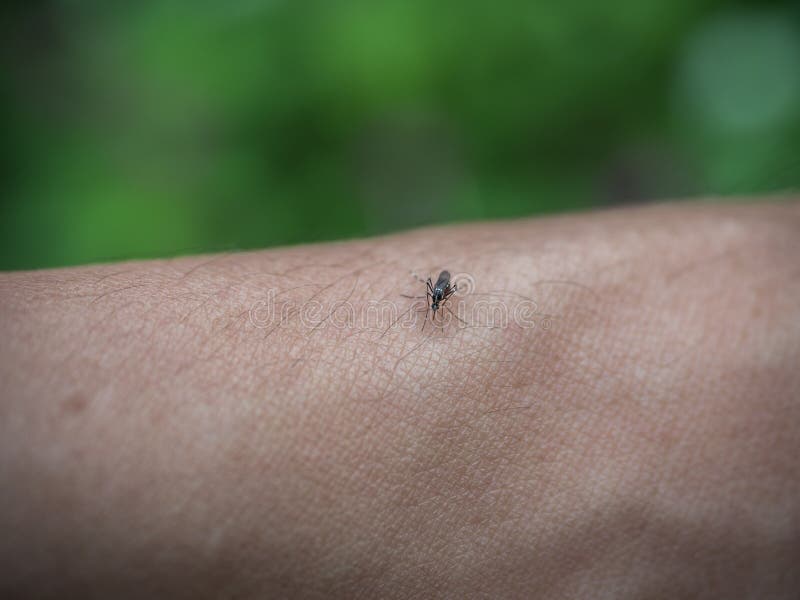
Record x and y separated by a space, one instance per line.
437 294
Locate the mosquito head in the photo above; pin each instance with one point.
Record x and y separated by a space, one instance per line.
435 306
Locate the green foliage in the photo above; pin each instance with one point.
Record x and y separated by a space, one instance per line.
137 129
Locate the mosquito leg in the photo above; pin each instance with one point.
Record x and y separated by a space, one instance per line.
428 296
454 314
418 278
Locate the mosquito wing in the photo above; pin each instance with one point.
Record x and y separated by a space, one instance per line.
443 281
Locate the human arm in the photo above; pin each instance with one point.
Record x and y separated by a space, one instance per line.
162 434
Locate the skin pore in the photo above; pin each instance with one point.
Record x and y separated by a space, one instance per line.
618 418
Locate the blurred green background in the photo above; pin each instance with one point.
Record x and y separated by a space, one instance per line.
142 129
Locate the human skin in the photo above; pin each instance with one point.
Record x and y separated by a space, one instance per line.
635 435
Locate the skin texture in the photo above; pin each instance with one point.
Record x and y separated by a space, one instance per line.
162 435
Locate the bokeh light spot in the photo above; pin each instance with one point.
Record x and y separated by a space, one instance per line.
741 71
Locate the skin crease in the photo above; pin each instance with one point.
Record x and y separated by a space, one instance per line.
163 435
